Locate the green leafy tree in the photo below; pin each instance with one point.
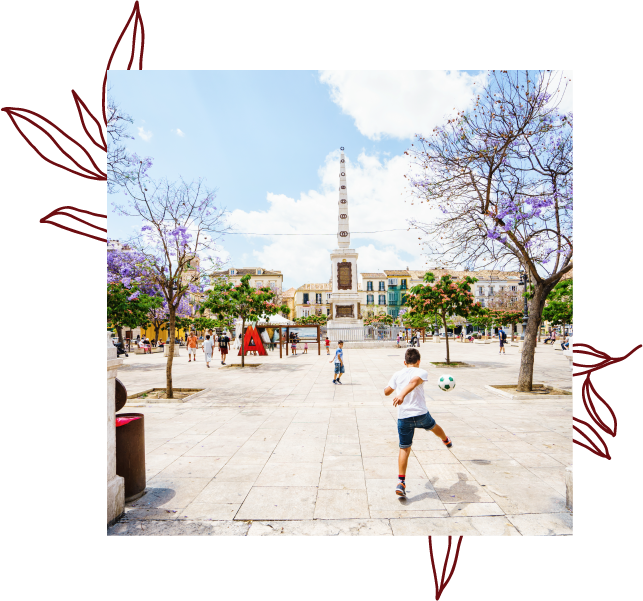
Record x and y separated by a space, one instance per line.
126 309
560 304
201 323
481 317
226 300
381 319
444 297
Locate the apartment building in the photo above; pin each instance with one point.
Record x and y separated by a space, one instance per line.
259 277
313 299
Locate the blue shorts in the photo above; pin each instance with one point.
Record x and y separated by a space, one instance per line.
406 427
339 368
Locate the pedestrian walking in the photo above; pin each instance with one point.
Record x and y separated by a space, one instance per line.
338 359
398 340
193 345
327 346
502 338
224 340
208 346
293 347
305 348
412 412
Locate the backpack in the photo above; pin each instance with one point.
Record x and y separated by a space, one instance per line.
504 336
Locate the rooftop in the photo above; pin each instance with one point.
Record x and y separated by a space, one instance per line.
381 276
246 271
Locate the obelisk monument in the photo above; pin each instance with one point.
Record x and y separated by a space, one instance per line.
344 299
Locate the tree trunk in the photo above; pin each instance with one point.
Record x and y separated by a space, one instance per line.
156 332
446 336
243 337
119 330
526 375
168 367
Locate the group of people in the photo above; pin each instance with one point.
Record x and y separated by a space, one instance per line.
551 339
208 346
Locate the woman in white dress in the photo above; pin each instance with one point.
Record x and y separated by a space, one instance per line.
208 345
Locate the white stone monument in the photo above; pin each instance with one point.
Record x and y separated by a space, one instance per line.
344 300
115 484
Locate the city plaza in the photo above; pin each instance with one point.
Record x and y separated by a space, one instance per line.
278 449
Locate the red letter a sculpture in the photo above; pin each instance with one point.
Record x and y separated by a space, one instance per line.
252 342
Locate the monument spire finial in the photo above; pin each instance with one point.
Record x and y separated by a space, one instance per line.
343 229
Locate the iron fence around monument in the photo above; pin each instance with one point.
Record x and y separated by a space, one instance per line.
365 333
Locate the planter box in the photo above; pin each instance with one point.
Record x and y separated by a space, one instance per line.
505 390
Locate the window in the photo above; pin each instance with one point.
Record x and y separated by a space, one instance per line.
382 299
490 290
370 300
318 298
392 282
328 297
513 288
502 288
480 292
305 298
482 302
403 284
306 312
403 299
233 272
259 272
382 287
259 283
327 311
369 286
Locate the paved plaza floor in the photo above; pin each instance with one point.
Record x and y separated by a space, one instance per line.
279 450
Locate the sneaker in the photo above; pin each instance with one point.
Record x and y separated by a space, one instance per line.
334 381
339 381
400 490
448 442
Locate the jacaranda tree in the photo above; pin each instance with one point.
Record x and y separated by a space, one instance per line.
444 297
181 225
499 176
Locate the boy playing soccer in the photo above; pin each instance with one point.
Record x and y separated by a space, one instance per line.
408 385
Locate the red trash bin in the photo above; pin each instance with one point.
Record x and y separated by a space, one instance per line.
130 453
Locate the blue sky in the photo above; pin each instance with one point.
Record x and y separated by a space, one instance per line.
269 142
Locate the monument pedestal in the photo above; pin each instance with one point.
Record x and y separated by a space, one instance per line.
115 484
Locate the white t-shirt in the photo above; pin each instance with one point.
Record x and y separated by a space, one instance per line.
208 345
414 403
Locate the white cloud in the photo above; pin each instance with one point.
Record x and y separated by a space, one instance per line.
376 195
400 104
146 135
178 132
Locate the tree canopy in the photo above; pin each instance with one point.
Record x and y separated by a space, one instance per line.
444 297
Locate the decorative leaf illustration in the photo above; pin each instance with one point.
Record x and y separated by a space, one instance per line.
62 212
135 17
82 110
588 389
20 117
439 589
586 435
606 360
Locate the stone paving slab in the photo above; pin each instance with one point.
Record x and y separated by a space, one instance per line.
279 449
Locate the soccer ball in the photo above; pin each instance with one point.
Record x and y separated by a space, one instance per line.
446 382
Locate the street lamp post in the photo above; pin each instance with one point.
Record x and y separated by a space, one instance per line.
525 314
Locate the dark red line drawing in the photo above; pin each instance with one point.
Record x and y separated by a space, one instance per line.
136 15
439 589
587 390
61 211
96 174
19 113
